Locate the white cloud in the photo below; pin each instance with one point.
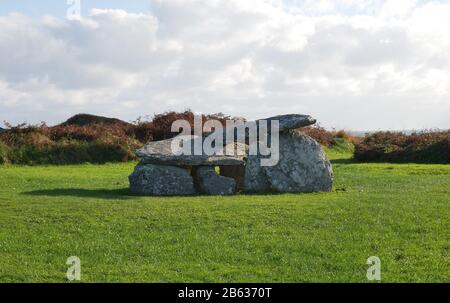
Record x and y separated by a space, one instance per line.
385 64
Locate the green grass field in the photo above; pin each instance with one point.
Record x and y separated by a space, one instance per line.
400 213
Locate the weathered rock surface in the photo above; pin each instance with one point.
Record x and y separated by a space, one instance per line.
291 121
255 177
162 152
286 123
302 167
161 180
210 183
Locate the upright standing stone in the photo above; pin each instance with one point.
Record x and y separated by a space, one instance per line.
255 177
302 167
161 180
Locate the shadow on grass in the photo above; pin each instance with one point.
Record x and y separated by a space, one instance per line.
125 194
121 193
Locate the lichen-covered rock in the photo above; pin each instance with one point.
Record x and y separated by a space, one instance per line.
285 123
302 167
161 180
166 152
210 183
255 177
291 121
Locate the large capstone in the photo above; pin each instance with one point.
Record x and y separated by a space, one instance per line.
302 167
285 123
291 121
172 152
210 183
161 180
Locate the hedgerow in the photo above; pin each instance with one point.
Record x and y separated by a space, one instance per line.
419 147
87 138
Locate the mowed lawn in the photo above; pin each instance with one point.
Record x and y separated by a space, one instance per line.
398 212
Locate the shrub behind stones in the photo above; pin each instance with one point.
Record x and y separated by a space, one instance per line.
423 147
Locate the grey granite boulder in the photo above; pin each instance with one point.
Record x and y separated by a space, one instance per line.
302 167
255 177
161 180
210 183
163 152
286 123
291 121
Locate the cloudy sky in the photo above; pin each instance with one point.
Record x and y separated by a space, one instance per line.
359 65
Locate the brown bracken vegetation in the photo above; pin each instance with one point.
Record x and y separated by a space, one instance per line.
329 138
88 138
420 147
